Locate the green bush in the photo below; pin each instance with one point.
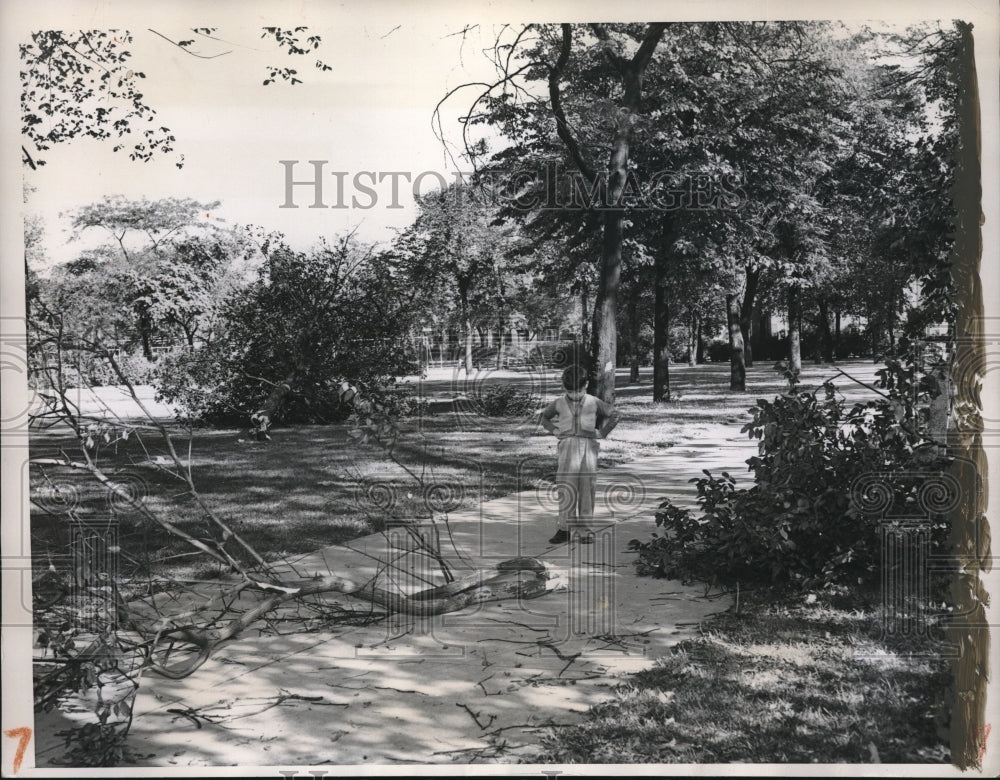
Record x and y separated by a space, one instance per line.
504 401
798 523
307 320
210 391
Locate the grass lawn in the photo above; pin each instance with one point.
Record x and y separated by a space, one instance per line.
781 681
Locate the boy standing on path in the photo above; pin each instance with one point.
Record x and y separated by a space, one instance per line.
579 420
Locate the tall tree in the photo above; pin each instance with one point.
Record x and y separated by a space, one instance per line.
615 59
465 267
791 123
144 234
182 287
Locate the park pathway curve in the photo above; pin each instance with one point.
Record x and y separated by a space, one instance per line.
480 685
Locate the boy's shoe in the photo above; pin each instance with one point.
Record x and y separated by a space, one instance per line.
560 537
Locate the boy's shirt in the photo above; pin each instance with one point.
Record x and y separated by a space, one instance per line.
587 417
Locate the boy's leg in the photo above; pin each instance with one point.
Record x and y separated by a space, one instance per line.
567 490
573 522
572 455
578 461
565 484
587 485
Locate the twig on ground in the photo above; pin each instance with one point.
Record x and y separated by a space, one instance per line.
195 715
565 680
515 623
527 727
486 692
198 715
569 659
478 752
475 716
399 690
611 640
511 641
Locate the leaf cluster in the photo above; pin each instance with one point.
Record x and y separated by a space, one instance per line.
81 83
802 523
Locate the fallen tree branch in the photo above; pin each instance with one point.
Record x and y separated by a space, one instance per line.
521 578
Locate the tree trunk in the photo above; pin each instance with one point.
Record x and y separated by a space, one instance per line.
760 333
463 296
661 333
501 342
263 418
970 630
737 367
836 333
633 334
876 332
605 332
605 336
826 337
468 347
584 321
145 327
700 341
692 339
794 329
746 313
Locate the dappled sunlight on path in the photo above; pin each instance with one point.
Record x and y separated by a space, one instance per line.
482 684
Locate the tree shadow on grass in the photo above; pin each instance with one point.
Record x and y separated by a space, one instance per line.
771 687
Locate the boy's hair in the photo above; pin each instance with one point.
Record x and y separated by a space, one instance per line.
574 378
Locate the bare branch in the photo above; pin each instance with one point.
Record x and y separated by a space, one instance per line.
227 532
463 32
188 51
123 494
466 120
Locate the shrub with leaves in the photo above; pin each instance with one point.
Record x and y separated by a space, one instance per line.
95 745
308 321
801 522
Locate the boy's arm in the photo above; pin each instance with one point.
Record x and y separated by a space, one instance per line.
609 416
546 418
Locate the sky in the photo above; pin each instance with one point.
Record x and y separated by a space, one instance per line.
371 113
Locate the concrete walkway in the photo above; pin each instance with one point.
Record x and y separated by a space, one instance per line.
480 685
